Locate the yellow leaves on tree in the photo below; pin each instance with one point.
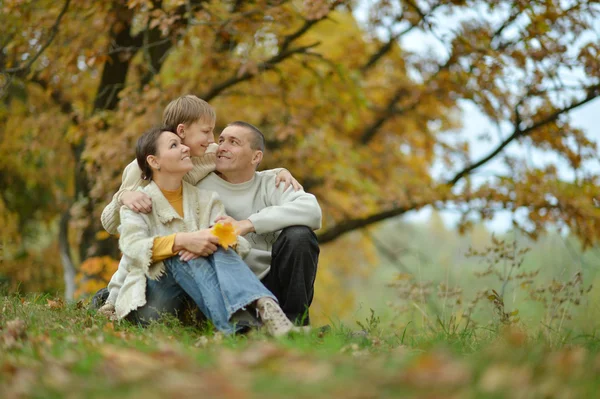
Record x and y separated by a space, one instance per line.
225 233
94 274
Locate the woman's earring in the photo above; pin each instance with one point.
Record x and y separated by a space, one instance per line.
159 167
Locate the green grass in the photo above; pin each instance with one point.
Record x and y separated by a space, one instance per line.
70 351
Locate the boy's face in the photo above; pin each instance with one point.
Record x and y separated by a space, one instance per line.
198 135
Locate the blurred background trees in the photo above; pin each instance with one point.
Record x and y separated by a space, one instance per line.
369 126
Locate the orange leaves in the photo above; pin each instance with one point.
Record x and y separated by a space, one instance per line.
225 233
94 274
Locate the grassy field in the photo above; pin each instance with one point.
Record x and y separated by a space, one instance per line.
49 349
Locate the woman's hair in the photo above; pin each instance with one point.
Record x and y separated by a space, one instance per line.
146 145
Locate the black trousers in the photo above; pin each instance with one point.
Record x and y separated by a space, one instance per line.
294 258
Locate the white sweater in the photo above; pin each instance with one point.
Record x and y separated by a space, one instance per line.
139 230
132 179
270 209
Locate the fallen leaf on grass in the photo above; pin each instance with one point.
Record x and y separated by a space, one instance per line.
14 332
55 304
267 356
256 355
225 233
128 365
568 361
437 369
21 384
505 376
57 377
201 342
308 371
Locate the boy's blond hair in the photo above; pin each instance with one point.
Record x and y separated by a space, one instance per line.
187 109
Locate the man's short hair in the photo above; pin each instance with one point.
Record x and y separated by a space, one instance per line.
258 138
187 109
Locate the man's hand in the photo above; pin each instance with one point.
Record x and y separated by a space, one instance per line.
201 242
286 177
241 227
137 201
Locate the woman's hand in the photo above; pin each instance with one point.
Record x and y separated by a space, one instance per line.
137 201
187 256
201 242
286 177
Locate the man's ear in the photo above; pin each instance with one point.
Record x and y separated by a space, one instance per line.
151 159
180 130
257 158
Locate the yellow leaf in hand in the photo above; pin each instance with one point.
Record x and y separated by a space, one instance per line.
225 233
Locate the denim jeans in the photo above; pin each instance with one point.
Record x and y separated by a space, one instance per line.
219 284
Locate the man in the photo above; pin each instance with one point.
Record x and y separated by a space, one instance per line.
278 223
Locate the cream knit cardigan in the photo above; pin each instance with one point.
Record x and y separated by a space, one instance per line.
132 179
139 230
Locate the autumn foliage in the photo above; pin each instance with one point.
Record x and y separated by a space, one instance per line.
347 105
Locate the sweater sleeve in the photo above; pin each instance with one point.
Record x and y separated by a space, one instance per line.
202 165
163 248
218 209
132 179
135 241
116 281
287 208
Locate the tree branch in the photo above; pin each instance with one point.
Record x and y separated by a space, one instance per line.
392 110
287 40
23 70
357 223
385 48
353 224
263 66
593 93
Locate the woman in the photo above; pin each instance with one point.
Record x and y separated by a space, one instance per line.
220 284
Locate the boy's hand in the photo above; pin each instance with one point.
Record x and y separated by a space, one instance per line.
286 177
137 201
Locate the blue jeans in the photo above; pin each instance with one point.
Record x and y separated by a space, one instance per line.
219 284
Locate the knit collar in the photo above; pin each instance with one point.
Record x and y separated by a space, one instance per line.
234 186
160 204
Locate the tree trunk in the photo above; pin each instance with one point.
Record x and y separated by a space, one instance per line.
65 256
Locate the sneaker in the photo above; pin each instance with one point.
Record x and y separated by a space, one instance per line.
99 298
273 317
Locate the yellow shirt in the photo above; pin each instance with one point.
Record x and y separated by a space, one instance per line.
163 246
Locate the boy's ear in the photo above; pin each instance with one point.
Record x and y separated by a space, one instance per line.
151 159
180 130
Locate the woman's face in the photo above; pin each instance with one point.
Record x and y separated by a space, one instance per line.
172 156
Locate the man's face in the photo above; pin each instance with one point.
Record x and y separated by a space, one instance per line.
234 153
198 135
